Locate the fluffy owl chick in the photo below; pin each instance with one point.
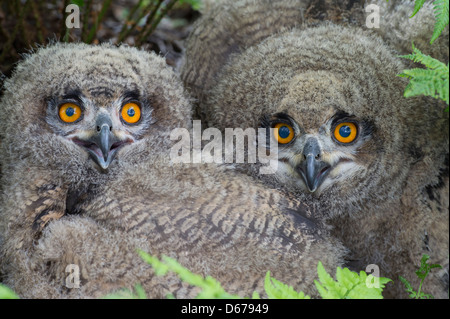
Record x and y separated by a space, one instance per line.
69 114
350 144
87 179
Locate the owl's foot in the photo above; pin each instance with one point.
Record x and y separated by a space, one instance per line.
45 217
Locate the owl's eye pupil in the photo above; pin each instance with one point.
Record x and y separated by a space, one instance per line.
131 112
345 131
70 111
284 132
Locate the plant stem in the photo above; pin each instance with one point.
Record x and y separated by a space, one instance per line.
150 18
125 31
99 20
420 288
163 13
21 21
149 9
87 10
37 16
64 30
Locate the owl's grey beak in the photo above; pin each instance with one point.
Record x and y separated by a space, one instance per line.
103 145
312 169
104 139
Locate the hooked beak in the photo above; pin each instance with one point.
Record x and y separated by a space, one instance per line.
103 145
312 169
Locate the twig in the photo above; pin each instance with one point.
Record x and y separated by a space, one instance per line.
37 16
152 16
147 10
21 23
64 29
125 31
87 10
98 21
163 13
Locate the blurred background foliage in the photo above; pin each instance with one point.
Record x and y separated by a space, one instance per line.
155 25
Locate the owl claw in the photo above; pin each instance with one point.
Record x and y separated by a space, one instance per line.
44 218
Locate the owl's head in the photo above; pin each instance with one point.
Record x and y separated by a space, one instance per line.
346 135
75 107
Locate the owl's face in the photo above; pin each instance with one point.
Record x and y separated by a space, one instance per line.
332 155
326 147
101 121
77 108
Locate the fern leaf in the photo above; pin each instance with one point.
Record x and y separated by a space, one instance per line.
210 287
139 293
160 268
408 288
417 6
277 290
441 13
349 285
7 293
432 81
418 57
327 287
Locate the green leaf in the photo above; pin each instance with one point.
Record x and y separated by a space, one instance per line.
349 284
277 290
422 273
408 288
432 81
424 269
160 268
441 13
195 4
423 295
211 288
418 57
7 293
326 286
417 6
138 293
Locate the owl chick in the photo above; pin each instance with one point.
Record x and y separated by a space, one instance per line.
87 179
350 145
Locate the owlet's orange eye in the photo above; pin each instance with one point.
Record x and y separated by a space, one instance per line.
345 132
284 133
69 112
131 113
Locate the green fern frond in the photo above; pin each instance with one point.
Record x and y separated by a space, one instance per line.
432 81
417 6
210 287
326 286
431 63
441 13
138 293
349 285
277 290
